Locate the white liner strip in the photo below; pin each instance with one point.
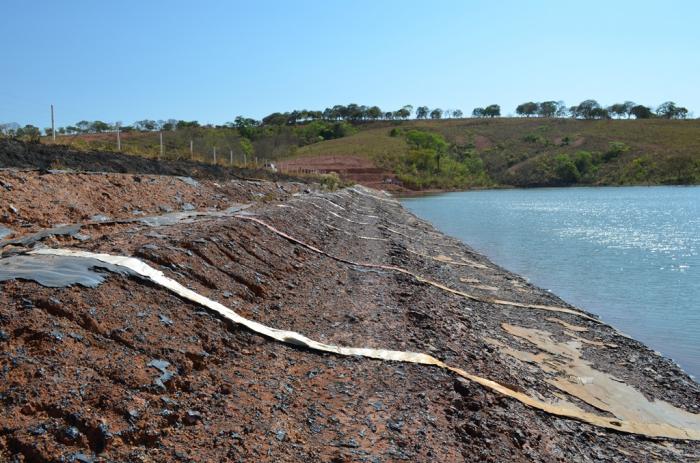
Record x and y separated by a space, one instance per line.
563 409
418 277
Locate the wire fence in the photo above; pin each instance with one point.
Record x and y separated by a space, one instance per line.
214 147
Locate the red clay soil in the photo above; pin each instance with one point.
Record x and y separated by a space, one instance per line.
127 371
354 169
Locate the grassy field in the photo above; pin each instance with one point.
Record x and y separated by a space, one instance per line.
541 152
477 152
227 142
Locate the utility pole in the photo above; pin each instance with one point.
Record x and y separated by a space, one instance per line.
191 149
53 126
161 145
215 155
119 139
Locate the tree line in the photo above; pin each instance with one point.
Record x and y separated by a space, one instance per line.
354 113
591 109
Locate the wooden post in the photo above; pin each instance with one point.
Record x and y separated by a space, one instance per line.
191 149
230 158
215 155
53 126
245 160
119 140
161 145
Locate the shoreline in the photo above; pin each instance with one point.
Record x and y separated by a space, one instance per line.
421 193
459 307
636 312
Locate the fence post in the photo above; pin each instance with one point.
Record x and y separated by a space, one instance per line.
215 155
230 159
161 145
53 126
191 149
119 140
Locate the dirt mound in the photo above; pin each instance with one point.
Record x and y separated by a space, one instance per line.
354 169
128 371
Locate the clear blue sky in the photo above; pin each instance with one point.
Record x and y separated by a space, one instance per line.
210 61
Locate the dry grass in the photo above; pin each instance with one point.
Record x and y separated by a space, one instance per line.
518 150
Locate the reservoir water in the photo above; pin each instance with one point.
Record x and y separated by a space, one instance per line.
629 254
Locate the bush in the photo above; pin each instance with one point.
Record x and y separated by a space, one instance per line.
566 170
317 131
535 138
638 170
432 163
425 139
330 181
615 148
583 160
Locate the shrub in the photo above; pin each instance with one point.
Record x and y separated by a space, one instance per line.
330 181
639 169
565 169
583 160
615 148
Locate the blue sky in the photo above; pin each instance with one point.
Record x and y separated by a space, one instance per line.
211 61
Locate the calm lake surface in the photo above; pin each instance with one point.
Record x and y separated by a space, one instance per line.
630 254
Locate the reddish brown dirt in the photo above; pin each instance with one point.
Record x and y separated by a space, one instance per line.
353 169
31 200
482 143
76 384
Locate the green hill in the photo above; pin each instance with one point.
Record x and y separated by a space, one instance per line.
452 153
531 151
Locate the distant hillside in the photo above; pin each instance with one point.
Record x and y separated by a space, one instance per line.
532 151
447 153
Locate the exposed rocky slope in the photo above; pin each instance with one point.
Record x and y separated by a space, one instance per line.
127 371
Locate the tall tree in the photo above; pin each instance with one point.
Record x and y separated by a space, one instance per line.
587 109
562 110
83 126
422 112
99 127
147 125
547 109
374 113
436 113
618 109
403 113
29 132
492 110
669 110
527 109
